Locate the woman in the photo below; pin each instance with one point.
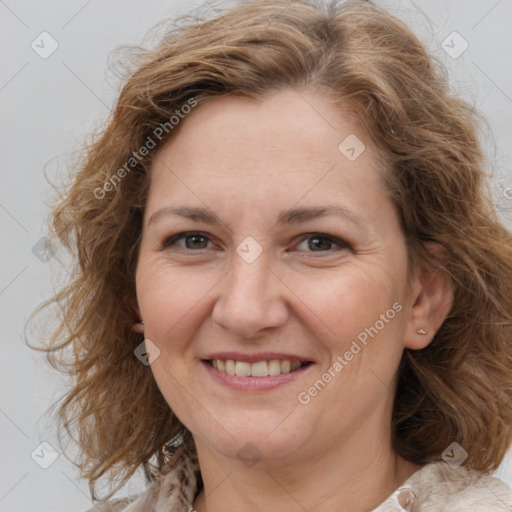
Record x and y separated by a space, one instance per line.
291 291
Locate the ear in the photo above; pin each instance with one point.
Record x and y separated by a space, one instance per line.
137 327
135 307
432 300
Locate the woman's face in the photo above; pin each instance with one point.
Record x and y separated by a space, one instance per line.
268 240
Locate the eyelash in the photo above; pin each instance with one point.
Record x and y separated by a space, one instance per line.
169 242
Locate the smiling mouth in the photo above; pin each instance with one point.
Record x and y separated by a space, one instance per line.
257 369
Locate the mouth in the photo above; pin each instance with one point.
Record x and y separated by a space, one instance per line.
264 368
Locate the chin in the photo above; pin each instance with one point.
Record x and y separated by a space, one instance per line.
251 439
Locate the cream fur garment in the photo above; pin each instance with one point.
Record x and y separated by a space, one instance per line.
436 487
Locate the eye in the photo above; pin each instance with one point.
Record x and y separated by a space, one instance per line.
189 240
319 242
312 242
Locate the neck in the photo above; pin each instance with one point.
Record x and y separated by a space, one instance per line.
357 475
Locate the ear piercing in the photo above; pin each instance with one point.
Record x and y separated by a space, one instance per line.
421 331
138 328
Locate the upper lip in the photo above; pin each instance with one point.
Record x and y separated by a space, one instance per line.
254 358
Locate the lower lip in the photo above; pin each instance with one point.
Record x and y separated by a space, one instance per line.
254 383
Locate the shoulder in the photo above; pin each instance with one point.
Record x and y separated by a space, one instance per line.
464 489
438 486
110 506
145 502
172 491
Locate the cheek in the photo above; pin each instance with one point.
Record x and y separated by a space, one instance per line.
170 299
366 316
377 332
345 304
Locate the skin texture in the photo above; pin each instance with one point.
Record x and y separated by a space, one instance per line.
248 161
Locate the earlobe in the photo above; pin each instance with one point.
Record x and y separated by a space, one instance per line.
138 326
135 307
432 301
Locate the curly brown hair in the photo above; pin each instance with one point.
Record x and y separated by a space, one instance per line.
459 388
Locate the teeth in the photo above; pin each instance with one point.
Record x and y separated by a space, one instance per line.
274 367
295 365
243 369
258 369
230 367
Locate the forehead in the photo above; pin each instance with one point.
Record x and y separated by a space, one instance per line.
286 148
285 131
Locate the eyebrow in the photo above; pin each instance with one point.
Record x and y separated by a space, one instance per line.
292 216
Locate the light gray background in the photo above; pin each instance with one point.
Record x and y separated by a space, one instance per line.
49 105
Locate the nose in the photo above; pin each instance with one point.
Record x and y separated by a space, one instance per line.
251 299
